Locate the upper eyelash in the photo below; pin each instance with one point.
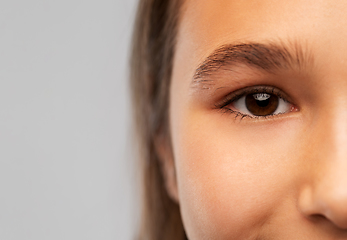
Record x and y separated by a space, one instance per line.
230 98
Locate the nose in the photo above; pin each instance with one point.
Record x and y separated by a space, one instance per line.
328 199
326 193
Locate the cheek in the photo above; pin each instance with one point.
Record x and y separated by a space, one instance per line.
231 175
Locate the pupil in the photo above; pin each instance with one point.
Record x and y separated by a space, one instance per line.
262 104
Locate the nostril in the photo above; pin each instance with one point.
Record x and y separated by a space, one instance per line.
318 218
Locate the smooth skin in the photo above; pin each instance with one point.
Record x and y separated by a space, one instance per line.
279 177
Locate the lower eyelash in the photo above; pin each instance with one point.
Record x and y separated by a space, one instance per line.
237 114
241 116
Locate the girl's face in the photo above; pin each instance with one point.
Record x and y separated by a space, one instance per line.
258 119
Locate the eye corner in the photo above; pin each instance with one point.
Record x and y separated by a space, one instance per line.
294 108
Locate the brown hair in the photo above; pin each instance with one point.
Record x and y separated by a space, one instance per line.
151 66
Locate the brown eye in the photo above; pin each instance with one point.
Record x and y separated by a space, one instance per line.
261 104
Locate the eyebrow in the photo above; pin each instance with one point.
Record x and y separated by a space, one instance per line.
268 57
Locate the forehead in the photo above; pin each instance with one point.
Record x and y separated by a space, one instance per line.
218 20
208 24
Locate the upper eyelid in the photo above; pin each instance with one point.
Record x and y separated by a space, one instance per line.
233 96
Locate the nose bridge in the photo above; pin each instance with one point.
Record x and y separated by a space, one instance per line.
332 148
329 134
335 132
328 193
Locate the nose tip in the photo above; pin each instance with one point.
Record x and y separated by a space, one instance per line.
335 209
330 204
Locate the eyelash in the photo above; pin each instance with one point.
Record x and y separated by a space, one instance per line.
236 95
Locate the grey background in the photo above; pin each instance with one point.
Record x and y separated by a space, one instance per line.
66 171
